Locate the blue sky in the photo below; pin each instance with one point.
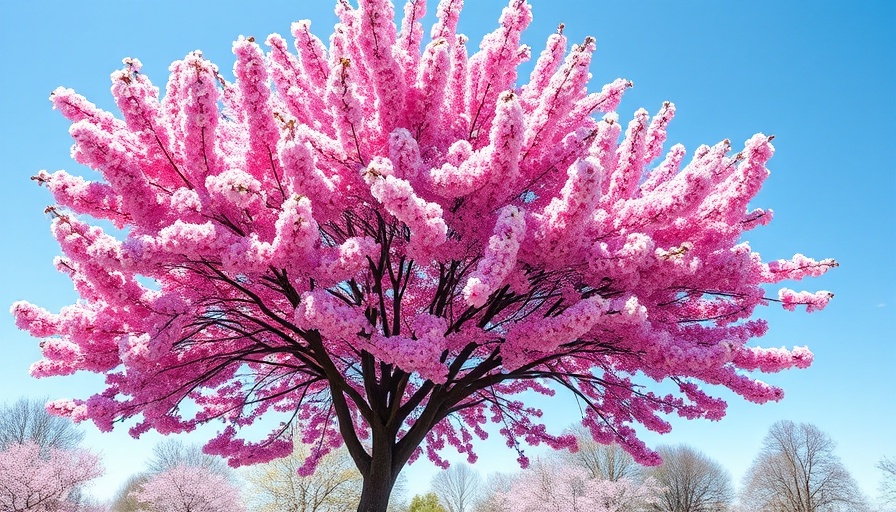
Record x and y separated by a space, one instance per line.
820 76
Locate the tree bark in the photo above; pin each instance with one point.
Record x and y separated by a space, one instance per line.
375 493
380 477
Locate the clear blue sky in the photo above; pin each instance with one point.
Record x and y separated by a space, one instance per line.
819 75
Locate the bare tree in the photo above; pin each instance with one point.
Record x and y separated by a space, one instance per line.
491 498
277 486
27 419
888 483
458 487
172 452
797 471
690 481
603 461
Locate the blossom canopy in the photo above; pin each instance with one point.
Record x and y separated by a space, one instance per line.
385 240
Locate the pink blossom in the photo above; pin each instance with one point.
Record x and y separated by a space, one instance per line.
499 258
423 218
312 53
813 301
377 37
410 35
656 132
797 268
345 108
548 62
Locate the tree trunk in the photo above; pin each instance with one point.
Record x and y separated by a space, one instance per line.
380 475
375 492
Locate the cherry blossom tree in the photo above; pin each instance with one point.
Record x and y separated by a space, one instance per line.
569 488
184 488
387 241
40 479
168 455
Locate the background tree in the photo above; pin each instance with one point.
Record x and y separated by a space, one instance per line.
887 466
185 488
428 502
169 453
398 502
458 487
387 242
797 471
552 485
689 481
493 498
125 499
39 479
603 461
166 455
27 419
335 485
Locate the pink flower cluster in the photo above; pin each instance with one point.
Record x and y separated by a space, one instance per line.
499 257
